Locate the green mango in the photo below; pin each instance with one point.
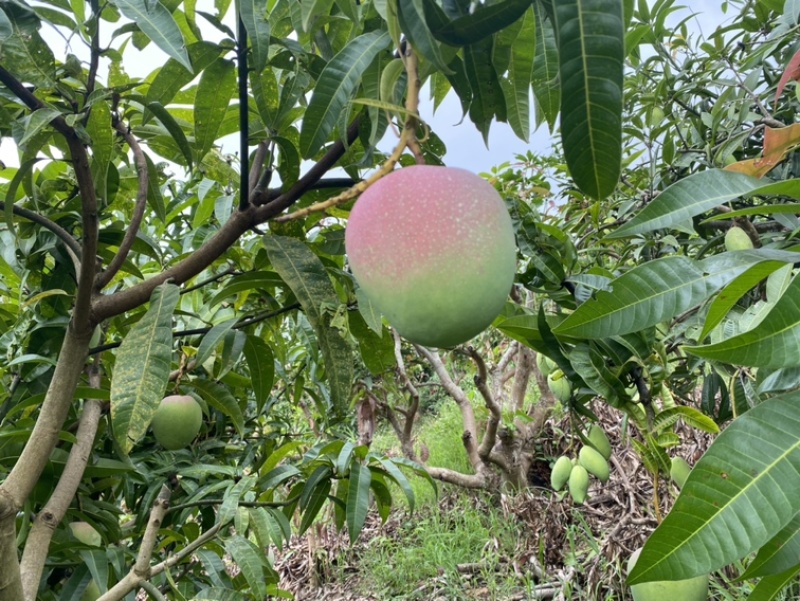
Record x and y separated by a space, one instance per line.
598 439
579 484
559 475
594 463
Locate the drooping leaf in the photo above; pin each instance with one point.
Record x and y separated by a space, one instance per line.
517 87
253 15
169 123
357 499
545 78
687 198
220 398
22 50
214 93
261 362
102 135
39 119
306 276
158 24
174 75
488 101
590 365
335 86
230 501
142 367
474 26
250 560
411 16
768 587
212 339
774 343
742 492
591 50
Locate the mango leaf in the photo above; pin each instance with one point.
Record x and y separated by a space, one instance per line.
743 491
261 362
214 92
400 479
212 339
335 86
484 21
306 276
230 501
690 415
488 101
411 16
544 78
253 15
158 24
648 294
781 553
517 87
174 75
38 119
22 50
774 343
220 399
142 367
100 131
591 366
169 123
686 198
250 560
778 142
357 499
524 329
155 200
769 586
591 48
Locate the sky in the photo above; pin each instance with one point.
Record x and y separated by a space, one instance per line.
465 144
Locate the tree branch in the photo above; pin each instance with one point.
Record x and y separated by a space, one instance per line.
44 524
103 278
73 246
495 414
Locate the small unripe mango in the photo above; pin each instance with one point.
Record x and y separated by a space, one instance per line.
737 239
559 385
177 421
578 484
559 475
679 471
598 439
594 463
86 533
433 249
91 592
693 589
545 364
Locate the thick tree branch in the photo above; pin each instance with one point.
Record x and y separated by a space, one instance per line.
495 414
522 375
45 523
103 278
477 481
413 408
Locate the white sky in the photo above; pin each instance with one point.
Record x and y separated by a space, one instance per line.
465 145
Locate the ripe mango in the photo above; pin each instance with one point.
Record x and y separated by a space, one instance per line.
177 421
433 249
737 239
594 463
579 484
559 475
693 589
598 439
679 471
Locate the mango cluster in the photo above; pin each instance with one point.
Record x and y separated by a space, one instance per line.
574 472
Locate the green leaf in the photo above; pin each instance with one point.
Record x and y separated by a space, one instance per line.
314 495
488 101
690 415
174 75
214 92
411 15
221 399
357 499
22 50
517 87
306 276
154 198
101 132
230 501
591 50
169 123
309 9
648 294
250 560
141 369
544 78
38 120
741 493
400 479
774 343
778 555
590 365
484 21
261 362
158 24
687 198
371 315
769 586
212 340
335 87
253 15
